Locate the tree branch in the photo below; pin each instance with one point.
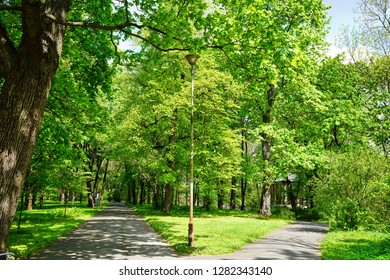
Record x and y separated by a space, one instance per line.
154 45
119 27
7 51
11 8
94 24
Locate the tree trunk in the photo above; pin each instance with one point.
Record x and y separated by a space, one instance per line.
220 199
104 182
169 188
266 153
266 200
168 198
243 193
29 200
73 198
244 151
291 195
41 202
232 202
99 161
142 192
91 202
62 195
134 191
28 72
156 196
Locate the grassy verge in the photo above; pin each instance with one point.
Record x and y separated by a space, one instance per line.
356 245
216 232
42 226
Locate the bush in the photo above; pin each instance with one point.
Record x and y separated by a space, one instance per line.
283 212
307 214
353 192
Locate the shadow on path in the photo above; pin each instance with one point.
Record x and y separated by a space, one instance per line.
298 241
118 233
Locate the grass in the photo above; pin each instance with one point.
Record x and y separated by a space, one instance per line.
40 227
216 232
356 245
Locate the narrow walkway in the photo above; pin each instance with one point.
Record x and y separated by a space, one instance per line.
298 241
118 233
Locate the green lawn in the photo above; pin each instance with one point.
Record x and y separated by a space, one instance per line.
216 232
356 245
41 227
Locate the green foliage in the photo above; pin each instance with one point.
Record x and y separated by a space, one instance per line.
283 213
354 190
75 113
152 116
356 245
308 214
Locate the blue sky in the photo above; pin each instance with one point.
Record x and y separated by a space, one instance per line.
341 13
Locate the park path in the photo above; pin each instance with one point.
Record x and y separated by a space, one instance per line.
118 233
297 241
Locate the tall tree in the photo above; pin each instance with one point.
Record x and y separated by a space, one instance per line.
152 130
368 45
272 43
31 38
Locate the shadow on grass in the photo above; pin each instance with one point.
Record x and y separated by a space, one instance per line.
40 227
184 250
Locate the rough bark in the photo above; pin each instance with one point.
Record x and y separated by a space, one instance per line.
28 72
266 153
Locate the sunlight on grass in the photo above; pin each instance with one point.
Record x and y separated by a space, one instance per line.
215 234
356 245
40 227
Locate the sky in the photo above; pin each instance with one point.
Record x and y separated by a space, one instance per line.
341 13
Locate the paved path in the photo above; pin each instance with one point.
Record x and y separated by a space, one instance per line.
118 233
298 241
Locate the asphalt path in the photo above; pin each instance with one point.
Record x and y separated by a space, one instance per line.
118 233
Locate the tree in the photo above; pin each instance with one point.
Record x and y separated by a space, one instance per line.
28 71
152 124
272 43
31 35
74 117
368 46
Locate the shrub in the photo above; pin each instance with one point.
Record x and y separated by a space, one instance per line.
283 212
353 192
307 214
